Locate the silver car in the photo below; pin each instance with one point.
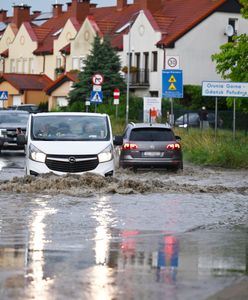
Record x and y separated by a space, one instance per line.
147 145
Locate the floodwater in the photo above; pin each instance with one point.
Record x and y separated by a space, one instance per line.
145 235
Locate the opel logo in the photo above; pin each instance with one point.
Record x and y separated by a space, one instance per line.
72 160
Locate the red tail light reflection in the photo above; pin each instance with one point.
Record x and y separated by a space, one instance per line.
129 146
173 146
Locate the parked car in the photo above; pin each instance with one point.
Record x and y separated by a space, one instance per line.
193 120
10 121
30 108
145 145
58 143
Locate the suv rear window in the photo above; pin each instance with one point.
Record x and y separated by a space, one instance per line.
152 134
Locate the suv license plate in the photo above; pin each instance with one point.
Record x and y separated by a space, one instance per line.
152 154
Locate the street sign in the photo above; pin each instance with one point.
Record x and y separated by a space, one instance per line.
172 83
4 95
96 97
97 79
97 88
172 62
116 96
225 89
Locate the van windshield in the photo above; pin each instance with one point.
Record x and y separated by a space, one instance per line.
70 128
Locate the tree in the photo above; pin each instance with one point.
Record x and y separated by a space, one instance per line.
102 59
232 61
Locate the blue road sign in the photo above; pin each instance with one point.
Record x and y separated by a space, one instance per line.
172 83
96 97
4 95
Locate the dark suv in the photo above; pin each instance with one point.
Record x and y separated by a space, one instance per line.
12 121
147 145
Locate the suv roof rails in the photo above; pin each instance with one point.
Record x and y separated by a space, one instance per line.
132 123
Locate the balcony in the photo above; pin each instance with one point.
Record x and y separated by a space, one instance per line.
139 78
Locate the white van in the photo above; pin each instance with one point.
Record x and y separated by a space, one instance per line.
69 143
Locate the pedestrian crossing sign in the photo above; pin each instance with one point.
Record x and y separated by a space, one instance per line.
96 97
4 95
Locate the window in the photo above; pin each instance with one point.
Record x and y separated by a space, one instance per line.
25 66
58 62
19 66
75 63
31 65
233 23
146 60
154 61
12 66
151 134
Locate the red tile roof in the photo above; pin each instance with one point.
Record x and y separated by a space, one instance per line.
69 76
174 19
24 82
177 17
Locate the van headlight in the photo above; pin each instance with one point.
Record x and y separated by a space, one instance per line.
36 155
106 154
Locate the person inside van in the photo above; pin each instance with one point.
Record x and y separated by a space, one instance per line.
63 129
89 130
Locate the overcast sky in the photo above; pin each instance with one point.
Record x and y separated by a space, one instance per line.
46 5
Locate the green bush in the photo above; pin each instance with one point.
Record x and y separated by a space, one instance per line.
202 147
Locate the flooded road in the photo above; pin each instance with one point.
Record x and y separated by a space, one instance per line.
144 235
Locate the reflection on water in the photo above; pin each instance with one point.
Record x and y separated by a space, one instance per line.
74 251
39 283
100 274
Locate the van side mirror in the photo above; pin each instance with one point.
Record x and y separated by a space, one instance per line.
21 139
118 140
178 138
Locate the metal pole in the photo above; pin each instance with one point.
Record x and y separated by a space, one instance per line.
234 118
216 117
172 112
128 73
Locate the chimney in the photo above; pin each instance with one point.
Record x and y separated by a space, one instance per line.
3 15
80 9
57 10
68 6
152 5
121 4
21 14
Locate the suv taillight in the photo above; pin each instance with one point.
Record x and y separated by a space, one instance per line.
129 146
173 146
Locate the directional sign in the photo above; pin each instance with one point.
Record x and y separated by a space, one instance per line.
96 97
172 83
97 79
225 89
4 95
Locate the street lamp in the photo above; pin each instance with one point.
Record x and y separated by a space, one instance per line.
131 20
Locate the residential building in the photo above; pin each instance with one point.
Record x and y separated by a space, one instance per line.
145 33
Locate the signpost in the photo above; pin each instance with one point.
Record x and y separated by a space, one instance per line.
116 100
225 89
97 79
96 95
4 95
172 87
172 62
